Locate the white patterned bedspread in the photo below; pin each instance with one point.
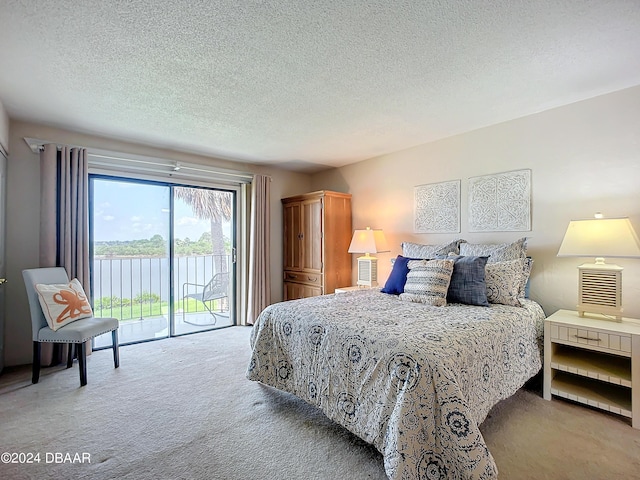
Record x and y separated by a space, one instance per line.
413 380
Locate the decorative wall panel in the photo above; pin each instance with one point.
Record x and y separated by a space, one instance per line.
436 207
500 202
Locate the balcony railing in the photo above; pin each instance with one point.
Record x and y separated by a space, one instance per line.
134 288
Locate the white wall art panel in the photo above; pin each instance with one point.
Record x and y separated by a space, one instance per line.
500 202
437 207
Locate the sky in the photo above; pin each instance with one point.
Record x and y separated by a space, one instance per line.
133 211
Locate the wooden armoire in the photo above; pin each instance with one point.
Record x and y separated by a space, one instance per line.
317 234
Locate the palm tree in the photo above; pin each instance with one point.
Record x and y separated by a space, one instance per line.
215 206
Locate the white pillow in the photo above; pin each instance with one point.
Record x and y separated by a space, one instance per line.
63 303
500 252
428 281
506 281
419 250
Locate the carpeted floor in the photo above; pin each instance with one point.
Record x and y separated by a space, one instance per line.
181 408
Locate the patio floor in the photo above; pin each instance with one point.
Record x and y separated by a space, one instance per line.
152 328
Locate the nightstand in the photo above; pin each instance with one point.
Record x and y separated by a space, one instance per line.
594 361
350 289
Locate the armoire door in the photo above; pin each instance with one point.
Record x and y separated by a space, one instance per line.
312 235
292 236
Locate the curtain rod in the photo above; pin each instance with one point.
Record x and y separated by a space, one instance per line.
37 145
176 165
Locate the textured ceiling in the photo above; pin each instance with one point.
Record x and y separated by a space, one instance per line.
309 83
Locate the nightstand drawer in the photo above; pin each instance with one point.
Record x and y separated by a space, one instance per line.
619 344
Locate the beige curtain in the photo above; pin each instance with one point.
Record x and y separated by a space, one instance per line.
259 285
64 218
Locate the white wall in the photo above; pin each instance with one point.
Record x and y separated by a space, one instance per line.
584 158
4 128
23 217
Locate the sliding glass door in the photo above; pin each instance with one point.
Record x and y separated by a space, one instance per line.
162 257
203 249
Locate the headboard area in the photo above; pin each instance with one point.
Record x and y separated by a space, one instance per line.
482 274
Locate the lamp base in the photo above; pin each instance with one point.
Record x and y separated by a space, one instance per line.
613 312
367 271
600 289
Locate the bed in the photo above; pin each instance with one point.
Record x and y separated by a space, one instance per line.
414 380
415 367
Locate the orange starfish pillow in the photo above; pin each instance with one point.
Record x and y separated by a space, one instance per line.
63 303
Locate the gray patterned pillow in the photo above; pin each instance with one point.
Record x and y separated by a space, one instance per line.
501 252
428 282
506 280
418 250
528 265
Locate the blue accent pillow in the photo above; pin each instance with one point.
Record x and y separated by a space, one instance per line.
398 276
468 283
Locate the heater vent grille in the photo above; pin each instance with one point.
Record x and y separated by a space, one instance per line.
364 272
600 291
600 288
367 271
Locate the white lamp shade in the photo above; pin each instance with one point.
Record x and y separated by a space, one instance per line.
368 241
604 237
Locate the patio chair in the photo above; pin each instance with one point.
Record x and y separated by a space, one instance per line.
75 333
216 289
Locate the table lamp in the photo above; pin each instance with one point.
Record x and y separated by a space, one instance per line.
368 241
600 283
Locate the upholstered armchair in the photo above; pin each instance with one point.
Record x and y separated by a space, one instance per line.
73 332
